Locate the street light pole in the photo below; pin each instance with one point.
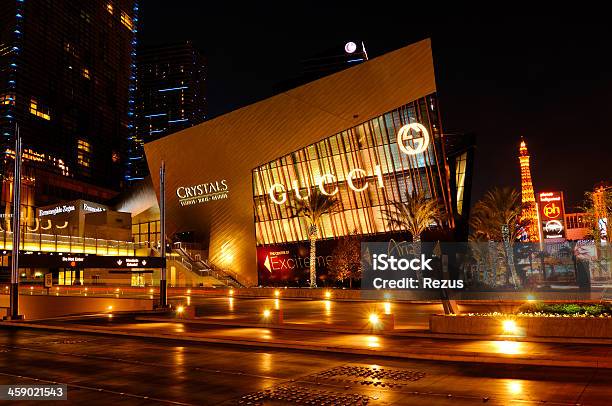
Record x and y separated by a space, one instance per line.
163 292
14 299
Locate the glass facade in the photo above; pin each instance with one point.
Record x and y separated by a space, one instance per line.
66 78
171 93
369 169
146 232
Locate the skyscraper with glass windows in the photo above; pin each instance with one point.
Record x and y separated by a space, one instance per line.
67 72
171 94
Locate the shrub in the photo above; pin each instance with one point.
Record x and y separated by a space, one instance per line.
567 309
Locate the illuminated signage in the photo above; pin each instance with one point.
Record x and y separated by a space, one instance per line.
280 261
350 47
56 210
131 262
73 259
552 213
278 192
93 209
420 140
202 193
412 139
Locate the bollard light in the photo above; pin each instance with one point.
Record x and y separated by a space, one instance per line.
266 313
180 309
387 307
231 292
374 319
277 293
327 294
509 327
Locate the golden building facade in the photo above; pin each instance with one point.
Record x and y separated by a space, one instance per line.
226 177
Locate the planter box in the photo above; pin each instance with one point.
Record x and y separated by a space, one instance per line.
583 327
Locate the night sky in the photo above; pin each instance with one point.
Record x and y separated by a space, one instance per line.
547 77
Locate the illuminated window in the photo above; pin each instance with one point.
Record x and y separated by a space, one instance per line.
86 73
109 8
138 279
66 277
460 180
127 21
83 151
115 157
8 98
84 146
39 110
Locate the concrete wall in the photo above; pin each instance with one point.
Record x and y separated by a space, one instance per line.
39 306
583 327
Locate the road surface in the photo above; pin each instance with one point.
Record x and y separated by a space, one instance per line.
124 371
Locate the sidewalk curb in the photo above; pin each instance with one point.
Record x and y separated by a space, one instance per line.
392 333
452 356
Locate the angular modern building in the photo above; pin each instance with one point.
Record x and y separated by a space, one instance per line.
369 135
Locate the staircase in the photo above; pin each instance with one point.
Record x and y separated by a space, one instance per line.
203 268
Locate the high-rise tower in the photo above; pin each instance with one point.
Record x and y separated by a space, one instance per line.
171 95
66 77
530 211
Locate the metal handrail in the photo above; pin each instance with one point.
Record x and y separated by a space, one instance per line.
229 277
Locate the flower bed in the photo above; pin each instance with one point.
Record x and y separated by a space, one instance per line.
528 323
566 309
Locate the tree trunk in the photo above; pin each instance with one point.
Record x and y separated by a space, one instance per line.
493 256
416 241
313 260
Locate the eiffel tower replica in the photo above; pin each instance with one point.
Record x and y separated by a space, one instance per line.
530 210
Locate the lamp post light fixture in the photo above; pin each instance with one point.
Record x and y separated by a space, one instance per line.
14 292
163 292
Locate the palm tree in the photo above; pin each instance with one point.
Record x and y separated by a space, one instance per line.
497 216
313 208
415 215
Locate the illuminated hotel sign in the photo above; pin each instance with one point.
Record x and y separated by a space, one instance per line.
202 193
416 133
552 213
